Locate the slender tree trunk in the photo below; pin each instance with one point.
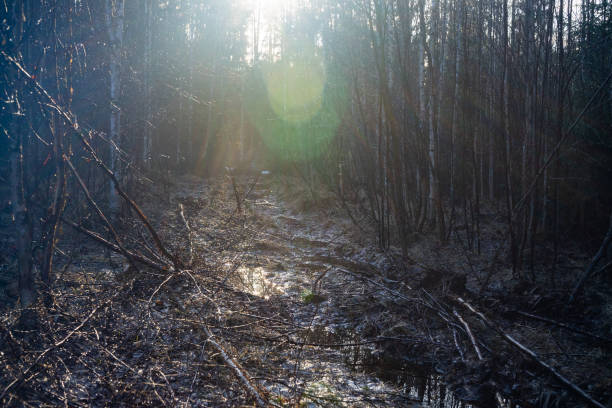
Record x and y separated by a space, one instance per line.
421 85
114 23
433 62
209 116
190 90
491 175
455 107
559 128
506 132
13 123
546 93
23 228
148 43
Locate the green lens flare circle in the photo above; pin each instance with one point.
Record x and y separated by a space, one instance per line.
295 89
290 105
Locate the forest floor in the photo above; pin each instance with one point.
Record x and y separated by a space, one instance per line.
285 299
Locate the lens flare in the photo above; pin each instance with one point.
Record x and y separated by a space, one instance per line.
295 107
295 89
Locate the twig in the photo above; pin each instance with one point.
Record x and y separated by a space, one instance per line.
167 383
316 283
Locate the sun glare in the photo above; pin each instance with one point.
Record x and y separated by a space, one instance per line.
265 26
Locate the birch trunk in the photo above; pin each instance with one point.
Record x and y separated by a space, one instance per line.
148 141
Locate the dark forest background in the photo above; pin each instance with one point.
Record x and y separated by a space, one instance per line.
423 115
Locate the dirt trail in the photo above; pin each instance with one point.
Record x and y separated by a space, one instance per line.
307 263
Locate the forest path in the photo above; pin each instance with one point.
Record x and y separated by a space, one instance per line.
304 258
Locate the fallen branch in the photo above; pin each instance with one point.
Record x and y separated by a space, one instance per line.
561 378
469 333
563 326
239 371
373 282
92 202
96 237
600 253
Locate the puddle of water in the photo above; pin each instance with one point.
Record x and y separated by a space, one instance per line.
254 281
417 382
267 282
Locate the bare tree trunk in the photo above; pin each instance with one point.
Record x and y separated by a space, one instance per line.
431 148
491 86
506 132
13 125
148 40
529 84
491 175
559 129
421 82
56 209
242 134
453 136
547 58
209 117
477 182
114 23
22 217
58 202
190 90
